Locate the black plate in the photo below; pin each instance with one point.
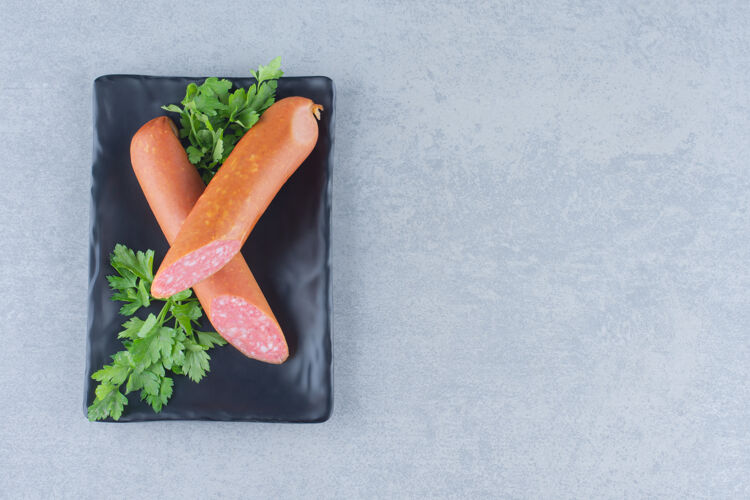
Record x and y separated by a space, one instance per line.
288 251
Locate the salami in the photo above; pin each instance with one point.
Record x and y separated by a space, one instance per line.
226 212
231 297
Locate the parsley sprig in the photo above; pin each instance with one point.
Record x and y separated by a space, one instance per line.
160 342
213 119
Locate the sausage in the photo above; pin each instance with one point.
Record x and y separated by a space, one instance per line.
222 218
231 297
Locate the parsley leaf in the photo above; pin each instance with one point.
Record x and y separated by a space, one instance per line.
159 342
196 361
109 402
213 119
210 339
270 72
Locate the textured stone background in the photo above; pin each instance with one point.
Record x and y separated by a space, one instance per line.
540 248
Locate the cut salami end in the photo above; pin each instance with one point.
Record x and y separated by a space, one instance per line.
248 329
194 267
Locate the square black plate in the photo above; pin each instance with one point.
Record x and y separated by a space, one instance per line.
288 251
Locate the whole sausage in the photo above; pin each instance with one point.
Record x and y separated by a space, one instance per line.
237 196
231 297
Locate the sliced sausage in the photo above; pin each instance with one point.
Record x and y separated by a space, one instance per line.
231 297
237 196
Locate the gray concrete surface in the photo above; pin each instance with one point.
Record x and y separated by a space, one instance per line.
541 250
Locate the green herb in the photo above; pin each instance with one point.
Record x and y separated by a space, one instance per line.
154 344
213 119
